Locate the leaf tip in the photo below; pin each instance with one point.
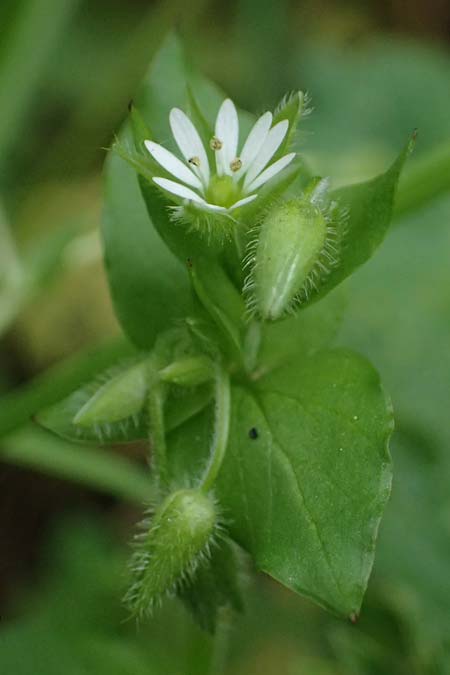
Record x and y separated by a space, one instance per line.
413 140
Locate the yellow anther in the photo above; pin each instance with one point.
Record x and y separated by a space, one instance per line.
195 161
236 164
215 143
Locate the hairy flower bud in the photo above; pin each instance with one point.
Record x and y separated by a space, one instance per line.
122 395
293 251
175 541
188 372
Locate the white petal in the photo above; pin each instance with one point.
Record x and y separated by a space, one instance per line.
227 131
271 171
172 164
270 146
189 141
241 202
178 189
254 142
214 207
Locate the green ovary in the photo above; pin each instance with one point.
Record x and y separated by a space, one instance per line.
223 191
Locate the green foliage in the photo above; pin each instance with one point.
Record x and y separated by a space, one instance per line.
307 474
169 549
121 396
369 206
290 239
281 372
298 455
58 382
148 285
76 623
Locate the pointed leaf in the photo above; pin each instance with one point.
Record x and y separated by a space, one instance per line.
370 206
307 474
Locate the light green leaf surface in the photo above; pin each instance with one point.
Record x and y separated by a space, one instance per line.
370 206
305 496
301 335
149 286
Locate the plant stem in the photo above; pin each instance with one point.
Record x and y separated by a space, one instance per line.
221 642
252 345
157 430
221 428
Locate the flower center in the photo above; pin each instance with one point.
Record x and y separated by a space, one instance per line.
223 191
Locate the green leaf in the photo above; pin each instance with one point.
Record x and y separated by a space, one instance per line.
301 335
149 286
307 474
426 180
370 206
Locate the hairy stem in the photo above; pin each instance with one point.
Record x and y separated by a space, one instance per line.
155 407
252 345
221 428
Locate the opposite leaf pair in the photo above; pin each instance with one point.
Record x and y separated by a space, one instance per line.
294 447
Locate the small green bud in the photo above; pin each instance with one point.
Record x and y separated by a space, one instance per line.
291 238
188 372
120 397
176 540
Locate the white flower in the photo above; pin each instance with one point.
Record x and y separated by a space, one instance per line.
236 176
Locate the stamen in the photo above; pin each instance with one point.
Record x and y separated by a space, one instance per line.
236 164
195 161
215 143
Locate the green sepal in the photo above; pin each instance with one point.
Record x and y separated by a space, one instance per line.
188 372
290 108
172 544
290 239
139 127
181 404
120 397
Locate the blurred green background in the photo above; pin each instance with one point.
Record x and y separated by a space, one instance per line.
375 71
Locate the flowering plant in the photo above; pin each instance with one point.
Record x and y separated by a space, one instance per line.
224 262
